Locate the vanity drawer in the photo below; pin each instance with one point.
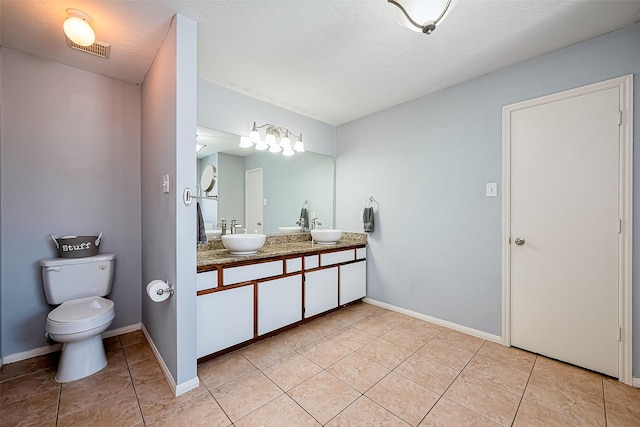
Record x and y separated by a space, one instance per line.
246 273
332 258
311 261
361 253
293 265
207 280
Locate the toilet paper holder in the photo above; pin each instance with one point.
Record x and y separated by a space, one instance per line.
168 290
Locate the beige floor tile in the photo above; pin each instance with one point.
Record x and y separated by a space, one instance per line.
266 351
223 369
578 378
364 412
458 339
145 371
29 366
299 337
115 359
533 415
351 337
511 356
427 372
374 326
26 386
244 395
425 328
403 397
323 396
324 352
201 410
503 376
565 399
485 399
31 411
112 343
405 338
449 414
131 338
622 394
326 325
290 370
385 353
349 316
358 371
447 354
622 416
368 308
280 412
78 395
116 410
155 397
137 352
393 318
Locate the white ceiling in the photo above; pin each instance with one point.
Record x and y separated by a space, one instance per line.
332 60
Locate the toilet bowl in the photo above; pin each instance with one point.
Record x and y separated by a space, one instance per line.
78 324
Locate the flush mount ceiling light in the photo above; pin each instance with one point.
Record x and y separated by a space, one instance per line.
422 15
78 29
271 141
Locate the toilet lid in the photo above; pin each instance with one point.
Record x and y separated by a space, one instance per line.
82 309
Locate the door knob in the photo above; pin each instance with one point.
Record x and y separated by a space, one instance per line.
519 241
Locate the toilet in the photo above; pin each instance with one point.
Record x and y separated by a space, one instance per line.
77 286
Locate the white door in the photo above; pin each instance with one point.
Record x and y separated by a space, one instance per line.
255 202
565 227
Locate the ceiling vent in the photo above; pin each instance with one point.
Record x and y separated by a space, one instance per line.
100 49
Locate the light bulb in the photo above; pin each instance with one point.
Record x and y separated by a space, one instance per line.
79 31
299 146
254 136
261 145
285 142
274 148
287 151
270 139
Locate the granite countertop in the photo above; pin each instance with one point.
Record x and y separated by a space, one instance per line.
213 253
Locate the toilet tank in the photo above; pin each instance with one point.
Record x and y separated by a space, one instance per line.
65 279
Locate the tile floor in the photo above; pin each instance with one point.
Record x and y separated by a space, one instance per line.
360 366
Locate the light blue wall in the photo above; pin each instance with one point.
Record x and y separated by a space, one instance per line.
70 153
436 249
168 228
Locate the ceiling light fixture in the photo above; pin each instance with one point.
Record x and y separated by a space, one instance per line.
271 142
78 29
426 13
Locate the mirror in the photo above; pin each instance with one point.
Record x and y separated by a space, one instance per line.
262 189
208 178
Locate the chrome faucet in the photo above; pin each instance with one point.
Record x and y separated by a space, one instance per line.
234 226
301 224
223 226
315 223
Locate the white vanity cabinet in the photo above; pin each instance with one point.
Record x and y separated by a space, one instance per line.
224 319
320 291
279 303
353 281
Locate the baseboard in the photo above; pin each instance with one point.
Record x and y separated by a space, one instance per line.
17 357
635 382
177 389
440 322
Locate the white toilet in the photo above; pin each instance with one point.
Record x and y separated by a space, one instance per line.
78 285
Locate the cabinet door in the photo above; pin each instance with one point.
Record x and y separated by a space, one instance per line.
224 319
320 291
353 281
279 303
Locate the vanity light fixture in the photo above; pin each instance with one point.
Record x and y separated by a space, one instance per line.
270 142
78 29
422 15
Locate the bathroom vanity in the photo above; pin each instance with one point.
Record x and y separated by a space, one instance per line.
241 299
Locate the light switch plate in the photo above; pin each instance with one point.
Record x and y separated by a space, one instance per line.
492 189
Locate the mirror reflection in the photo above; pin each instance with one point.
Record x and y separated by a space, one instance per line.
263 192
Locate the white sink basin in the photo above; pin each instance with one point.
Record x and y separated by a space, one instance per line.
243 244
289 230
326 236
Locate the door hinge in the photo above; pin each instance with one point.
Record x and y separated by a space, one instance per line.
509 240
619 118
619 226
619 333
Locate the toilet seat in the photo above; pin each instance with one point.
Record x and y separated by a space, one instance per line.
80 315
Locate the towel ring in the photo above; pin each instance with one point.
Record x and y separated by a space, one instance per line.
370 202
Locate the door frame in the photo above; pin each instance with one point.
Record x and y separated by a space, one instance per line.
624 85
246 198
